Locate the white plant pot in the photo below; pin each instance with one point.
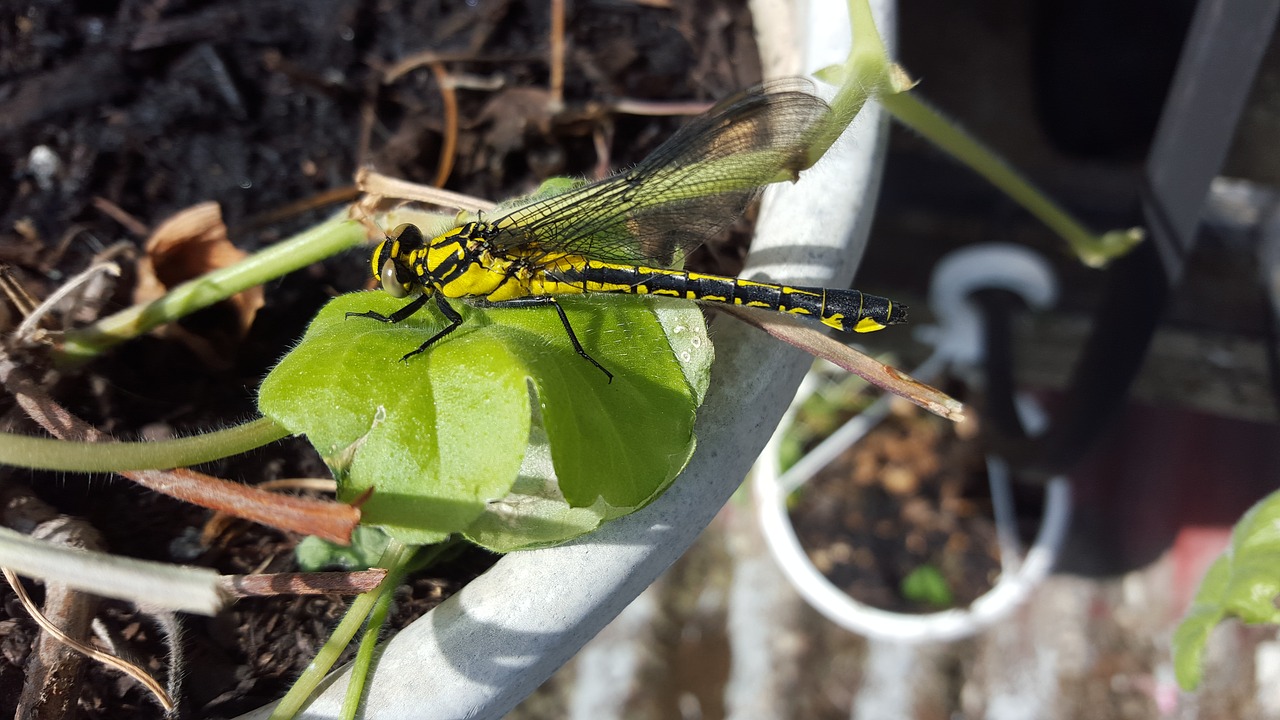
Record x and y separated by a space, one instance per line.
486 648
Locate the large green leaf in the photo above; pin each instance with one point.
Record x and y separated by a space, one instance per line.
1244 582
441 438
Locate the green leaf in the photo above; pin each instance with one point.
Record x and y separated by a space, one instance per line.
367 544
926 585
1244 583
535 513
441 438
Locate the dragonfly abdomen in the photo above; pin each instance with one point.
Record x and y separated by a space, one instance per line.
845 310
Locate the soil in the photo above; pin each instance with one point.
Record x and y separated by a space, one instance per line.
912 494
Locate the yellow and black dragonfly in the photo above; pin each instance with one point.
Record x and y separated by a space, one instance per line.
621 234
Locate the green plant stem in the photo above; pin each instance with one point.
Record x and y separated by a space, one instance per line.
1093 250
396 559
328 238
48 454
291 704
865 73
363 661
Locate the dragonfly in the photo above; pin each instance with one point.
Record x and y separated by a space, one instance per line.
624 233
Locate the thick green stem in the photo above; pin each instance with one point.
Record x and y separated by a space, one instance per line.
291 704
865 73
1093 250
363 661
331 237
48 454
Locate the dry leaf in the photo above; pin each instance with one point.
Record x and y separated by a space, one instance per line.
184 247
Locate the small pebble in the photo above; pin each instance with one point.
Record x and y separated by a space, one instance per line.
43 164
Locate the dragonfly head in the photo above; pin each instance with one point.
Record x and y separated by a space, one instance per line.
391 260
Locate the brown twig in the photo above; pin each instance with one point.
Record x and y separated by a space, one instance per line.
882 376
55 669
368 116
555 99
127 668
15 292
449 144
658 108
284 212
412 62
51 259
317 583
409 63
115 212
375 183
600 139
70 287
448 97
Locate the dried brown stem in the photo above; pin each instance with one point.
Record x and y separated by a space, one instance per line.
133 671
120 215
329 520
55 669
882 376
385 186
285 212
659 108
449 144
319 583
556 59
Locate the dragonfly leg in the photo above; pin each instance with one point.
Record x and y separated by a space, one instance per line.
398 316
450 314
543 301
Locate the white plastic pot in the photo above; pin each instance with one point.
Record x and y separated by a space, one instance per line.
487 647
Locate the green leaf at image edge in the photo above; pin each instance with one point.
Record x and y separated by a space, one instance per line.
442 437
1244 582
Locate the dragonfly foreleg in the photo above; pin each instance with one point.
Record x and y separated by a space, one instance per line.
454 318
398 316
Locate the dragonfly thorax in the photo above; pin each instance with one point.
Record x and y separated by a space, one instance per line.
462 263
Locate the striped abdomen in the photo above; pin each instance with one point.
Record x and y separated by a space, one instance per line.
847 310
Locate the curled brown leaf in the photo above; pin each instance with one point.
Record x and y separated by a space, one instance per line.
184 247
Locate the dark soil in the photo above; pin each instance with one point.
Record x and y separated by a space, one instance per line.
116 115
909 495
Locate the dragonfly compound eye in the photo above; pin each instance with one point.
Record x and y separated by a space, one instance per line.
392 283
408 237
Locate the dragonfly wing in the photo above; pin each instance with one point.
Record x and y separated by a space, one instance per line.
694 184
